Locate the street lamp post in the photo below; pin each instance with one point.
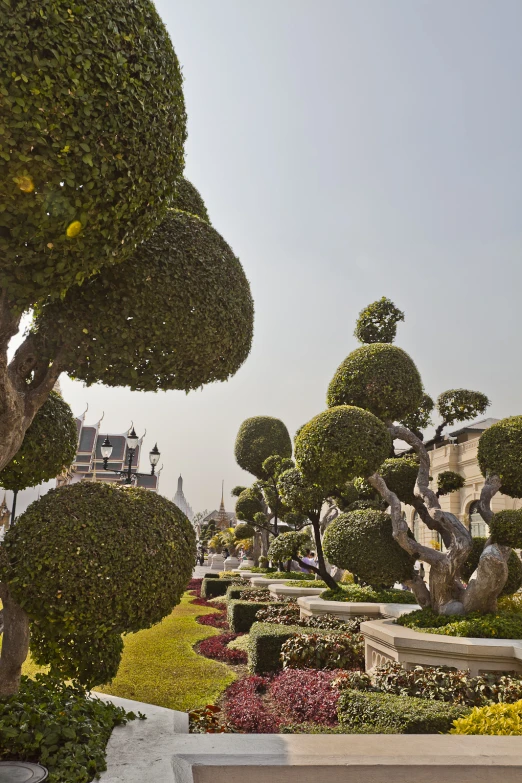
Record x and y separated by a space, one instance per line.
132 443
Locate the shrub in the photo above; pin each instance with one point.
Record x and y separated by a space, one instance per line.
400 475
310 584
188 199
57 725
362 542
248 505
296 576
377 323
448 481
215 647
502 625
354 593
210 588
305 695
402 714
379 378
499 719
506 528
242 614
500 453
282 614
264 566
88 562
514 579
112 103
214 620
286 547
329 622
355 680
245 709
258 438
340 444
264 646
325 651
212 576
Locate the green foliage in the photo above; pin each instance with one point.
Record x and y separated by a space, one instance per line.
188 199
181 315
400 475
258 438
49 446
506 528
340 444
380 378
418 420
264 645
237 490
448 481
502 625
241 615
461 405
500 453
402 714
92 138
287 545
90 561
362 542
247 593
299 494
514 579
323 651
210 588
499 719
353 593
377 323
248 505
60 727
242 532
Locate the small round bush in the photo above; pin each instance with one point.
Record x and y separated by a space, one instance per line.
461 405
380 378
48 447
90 560
244 531
248 505
188 199
340 444
93 128
400 475
362 542
299 494
287 546
500 453
448 481
258 438
506 528
377 323
514 579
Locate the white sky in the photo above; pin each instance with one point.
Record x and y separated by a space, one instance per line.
346 150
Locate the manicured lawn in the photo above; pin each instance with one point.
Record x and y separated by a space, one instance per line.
160 667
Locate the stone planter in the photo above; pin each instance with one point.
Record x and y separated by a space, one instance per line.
217 562
385 641
345 610
258 580
286 591
231 564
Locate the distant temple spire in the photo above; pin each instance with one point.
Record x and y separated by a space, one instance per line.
222 506
181 502
223 520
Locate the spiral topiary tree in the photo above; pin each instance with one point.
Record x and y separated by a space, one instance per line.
91 164
88 562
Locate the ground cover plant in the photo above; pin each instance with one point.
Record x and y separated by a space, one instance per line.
498 625
364 593
499 719
335 650
216 647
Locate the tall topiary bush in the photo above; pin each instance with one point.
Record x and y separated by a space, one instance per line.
258 439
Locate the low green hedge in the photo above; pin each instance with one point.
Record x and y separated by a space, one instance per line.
502 625
236 591
259 570
353 593
296 575
241 615
266 640
210 588
402 714
211 576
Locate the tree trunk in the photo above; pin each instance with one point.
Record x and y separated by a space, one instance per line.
15 643
486 584
321 565
256 547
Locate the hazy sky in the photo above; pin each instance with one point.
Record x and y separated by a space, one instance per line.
346 150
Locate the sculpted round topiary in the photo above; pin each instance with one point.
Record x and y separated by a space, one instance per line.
92 139
287 545
500 453
248 505
377 323
400 476
48 447
380 378
506 528
179 316
514 579
340 444
461 405
298 493
448 481
88 560
188 199
242 532
362 542
259 438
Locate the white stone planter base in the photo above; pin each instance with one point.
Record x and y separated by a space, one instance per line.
385 641
231 564
346 610
260 581
286 591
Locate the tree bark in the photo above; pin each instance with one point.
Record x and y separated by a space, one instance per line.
15 643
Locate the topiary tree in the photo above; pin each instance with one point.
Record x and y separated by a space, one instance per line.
377 323
88 562
258 439
500 453
91 160
459 405
448 481
290 546
49 446
362 542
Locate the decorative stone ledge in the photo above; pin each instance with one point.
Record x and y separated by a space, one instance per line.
260 581
286 591
385 641
311 606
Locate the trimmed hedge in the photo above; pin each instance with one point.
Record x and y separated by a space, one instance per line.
258 438
212 587
402 714
265 642
377 323
400 475
500 453
241 615
211 576
506 528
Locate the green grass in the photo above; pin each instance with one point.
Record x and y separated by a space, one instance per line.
160 667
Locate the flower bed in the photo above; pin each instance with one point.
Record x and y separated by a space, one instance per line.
364 594
502 625
215 647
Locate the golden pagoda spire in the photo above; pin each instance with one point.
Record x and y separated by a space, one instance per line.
222 516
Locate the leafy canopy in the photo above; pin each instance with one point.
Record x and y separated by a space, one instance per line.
377 323
461 405
258 438
500 453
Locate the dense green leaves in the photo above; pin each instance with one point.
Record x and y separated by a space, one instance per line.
92 134
248 505
500 453
188 199
514 579
179 314
377 323
448 481
91 560
420 418
340 444
506 528
299 494
48 447
380 378
259 438
461 405
362 542
288 545
400 475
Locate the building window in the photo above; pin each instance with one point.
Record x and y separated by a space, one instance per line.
477 526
